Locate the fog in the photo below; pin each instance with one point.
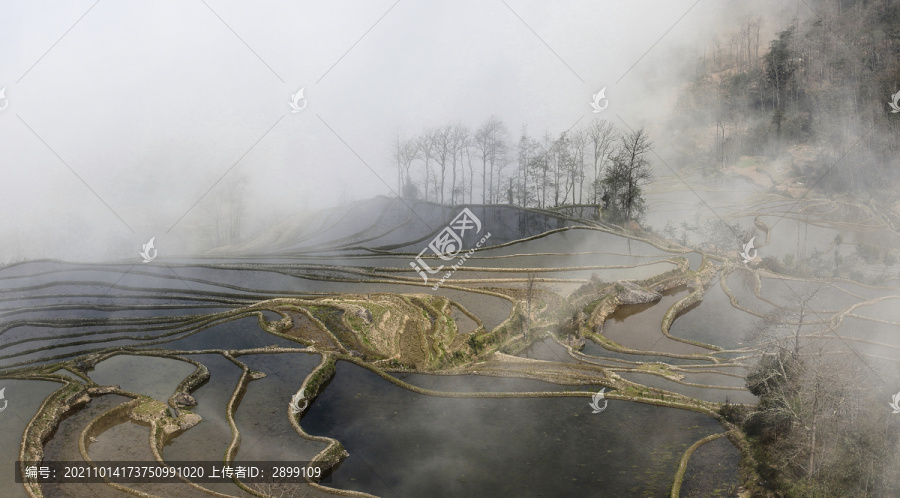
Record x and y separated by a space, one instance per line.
720 238
125 119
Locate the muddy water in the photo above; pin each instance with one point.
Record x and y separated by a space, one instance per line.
477 383
881 353
784 237
23 398
820 296
612 249
149 375
208 440
64 447
149 289
403 444
713 321
647 270
235 334
408 444
704 393
790 236
464 324
678 204
266 433
125 440
547 350
742 288
712 471
593 349
637 326
888 310
695 259
572 241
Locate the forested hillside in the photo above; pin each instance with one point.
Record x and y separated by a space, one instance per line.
825 83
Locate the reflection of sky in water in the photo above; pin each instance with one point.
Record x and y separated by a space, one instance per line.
149 375
23 399
444 440
404 444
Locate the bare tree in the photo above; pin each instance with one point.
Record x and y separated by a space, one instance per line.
602 141
443 150
468 152
816 399
482 144
561 159
490 141
625 178
426 146
578 145
722 108
405 152
526 152
543 165
459 140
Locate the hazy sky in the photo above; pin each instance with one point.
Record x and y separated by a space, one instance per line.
151 103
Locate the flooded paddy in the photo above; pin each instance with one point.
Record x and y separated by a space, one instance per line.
478 383
266 434
483 434
236 334
64 447
711 471
632 326
547 350
455 273
713 321
152 376
404 445
596 350
209 439
127 441
23 397
706 388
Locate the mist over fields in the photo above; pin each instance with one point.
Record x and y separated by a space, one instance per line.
474 248
141 111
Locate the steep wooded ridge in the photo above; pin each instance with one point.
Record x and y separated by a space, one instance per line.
816 94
